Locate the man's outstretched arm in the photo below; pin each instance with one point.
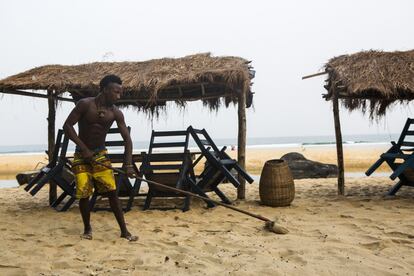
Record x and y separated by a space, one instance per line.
120 121
70 131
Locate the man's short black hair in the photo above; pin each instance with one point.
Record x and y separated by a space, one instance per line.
109 79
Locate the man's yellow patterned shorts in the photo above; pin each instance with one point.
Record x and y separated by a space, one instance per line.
87 174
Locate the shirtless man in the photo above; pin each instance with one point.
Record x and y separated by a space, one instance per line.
94 117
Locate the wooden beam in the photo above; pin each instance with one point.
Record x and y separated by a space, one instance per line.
195 84
51 140
241 141
35 95
339 148
195 98
203 90
314 75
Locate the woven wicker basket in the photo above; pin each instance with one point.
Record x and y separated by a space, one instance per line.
276 186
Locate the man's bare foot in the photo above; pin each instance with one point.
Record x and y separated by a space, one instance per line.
129 236
87 234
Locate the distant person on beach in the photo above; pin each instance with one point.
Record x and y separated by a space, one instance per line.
95 116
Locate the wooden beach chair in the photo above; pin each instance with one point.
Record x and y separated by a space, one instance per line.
169 167
218 165
400 158
58 171
124 187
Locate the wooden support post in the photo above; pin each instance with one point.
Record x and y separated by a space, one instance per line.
241 141
51 139
339 149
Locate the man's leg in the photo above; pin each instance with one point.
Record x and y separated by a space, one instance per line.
119 215
86 217
84 188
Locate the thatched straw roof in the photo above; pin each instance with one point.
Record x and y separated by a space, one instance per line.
371 80
147 84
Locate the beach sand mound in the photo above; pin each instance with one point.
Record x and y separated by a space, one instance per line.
362 233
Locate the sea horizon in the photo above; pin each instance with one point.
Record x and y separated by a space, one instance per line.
252 142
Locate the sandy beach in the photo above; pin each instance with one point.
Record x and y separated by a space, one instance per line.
361 233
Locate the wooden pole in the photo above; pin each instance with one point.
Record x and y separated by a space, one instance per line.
51 140
241 141
339 149
314 75
35 95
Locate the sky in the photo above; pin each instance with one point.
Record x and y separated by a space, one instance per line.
285 40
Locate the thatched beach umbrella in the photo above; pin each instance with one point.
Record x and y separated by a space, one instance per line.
148 86
371 81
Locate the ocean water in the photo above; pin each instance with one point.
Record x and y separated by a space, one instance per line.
8 183
258 142
254 142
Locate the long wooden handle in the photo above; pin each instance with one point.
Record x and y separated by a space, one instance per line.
187 193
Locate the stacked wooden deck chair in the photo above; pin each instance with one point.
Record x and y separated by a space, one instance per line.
57 171
400 158
168 162
218 166
125 189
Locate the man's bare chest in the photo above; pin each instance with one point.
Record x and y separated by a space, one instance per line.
104 118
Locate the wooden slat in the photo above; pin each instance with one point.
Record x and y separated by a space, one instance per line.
114 143
205 142
170 133
198 131
395 155
228 162
168 145
113 130
116 130
119 157
165 167
410 132
408 144
160 157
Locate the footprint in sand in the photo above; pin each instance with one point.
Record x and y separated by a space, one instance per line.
66 245
316 232
401 241
398 234
70 231
292 256
157 230
353 226
173 243
377 227
137 262
18 239
375 246
210 248
61 265
177 257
